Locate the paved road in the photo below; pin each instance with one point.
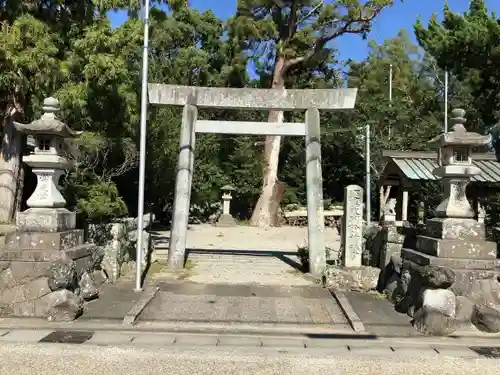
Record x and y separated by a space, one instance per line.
55 359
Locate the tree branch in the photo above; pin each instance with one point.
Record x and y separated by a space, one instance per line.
292 21
354 26
313 10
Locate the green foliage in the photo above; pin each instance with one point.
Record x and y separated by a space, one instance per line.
95 72
468 45
101 201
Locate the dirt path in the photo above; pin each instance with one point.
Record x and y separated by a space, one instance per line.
244 255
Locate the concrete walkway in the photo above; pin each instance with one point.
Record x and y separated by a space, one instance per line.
304 306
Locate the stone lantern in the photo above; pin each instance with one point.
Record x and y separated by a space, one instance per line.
451 264
63 270
46 211
226 219
455 166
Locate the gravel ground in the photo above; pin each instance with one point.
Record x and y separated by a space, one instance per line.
246 255
54 359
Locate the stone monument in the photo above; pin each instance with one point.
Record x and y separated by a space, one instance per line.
46 270
226 219
450 278
352 229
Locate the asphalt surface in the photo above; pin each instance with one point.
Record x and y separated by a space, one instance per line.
55 359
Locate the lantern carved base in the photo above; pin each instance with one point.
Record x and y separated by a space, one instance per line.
46 220
46 192
455 203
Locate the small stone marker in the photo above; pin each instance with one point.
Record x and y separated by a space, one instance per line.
352 240
226 219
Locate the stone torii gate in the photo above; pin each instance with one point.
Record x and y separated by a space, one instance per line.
192 98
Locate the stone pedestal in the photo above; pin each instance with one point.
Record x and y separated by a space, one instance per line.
226 220
46 220
458 245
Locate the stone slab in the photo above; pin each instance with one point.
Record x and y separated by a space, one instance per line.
146 297
200 303
349 312
28 291
25 270
283 342
195 340
457 351
463 248
44 240
46 220
26 335
454 263
455 229
363 349
379 316
31 255
330 344
153 339
240 341
245 290
114 302
111 338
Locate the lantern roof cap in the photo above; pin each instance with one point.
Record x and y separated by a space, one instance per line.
459 136
48 123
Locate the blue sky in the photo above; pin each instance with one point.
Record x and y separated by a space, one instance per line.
401 16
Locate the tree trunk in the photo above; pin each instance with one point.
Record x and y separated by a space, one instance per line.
11 181
265 213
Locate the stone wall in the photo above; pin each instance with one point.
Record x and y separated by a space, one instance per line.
383 240
51 283
118 241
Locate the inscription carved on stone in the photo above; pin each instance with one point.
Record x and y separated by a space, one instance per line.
352 240
43 186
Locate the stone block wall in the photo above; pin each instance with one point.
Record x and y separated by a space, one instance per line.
49 283
118 241
384 240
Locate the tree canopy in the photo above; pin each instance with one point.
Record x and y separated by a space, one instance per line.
68 49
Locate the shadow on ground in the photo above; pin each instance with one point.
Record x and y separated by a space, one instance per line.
283 256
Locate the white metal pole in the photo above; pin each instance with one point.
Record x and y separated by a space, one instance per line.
368 175
142 151
390 83
446 101
390 95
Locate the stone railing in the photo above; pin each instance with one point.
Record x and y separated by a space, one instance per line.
118 239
